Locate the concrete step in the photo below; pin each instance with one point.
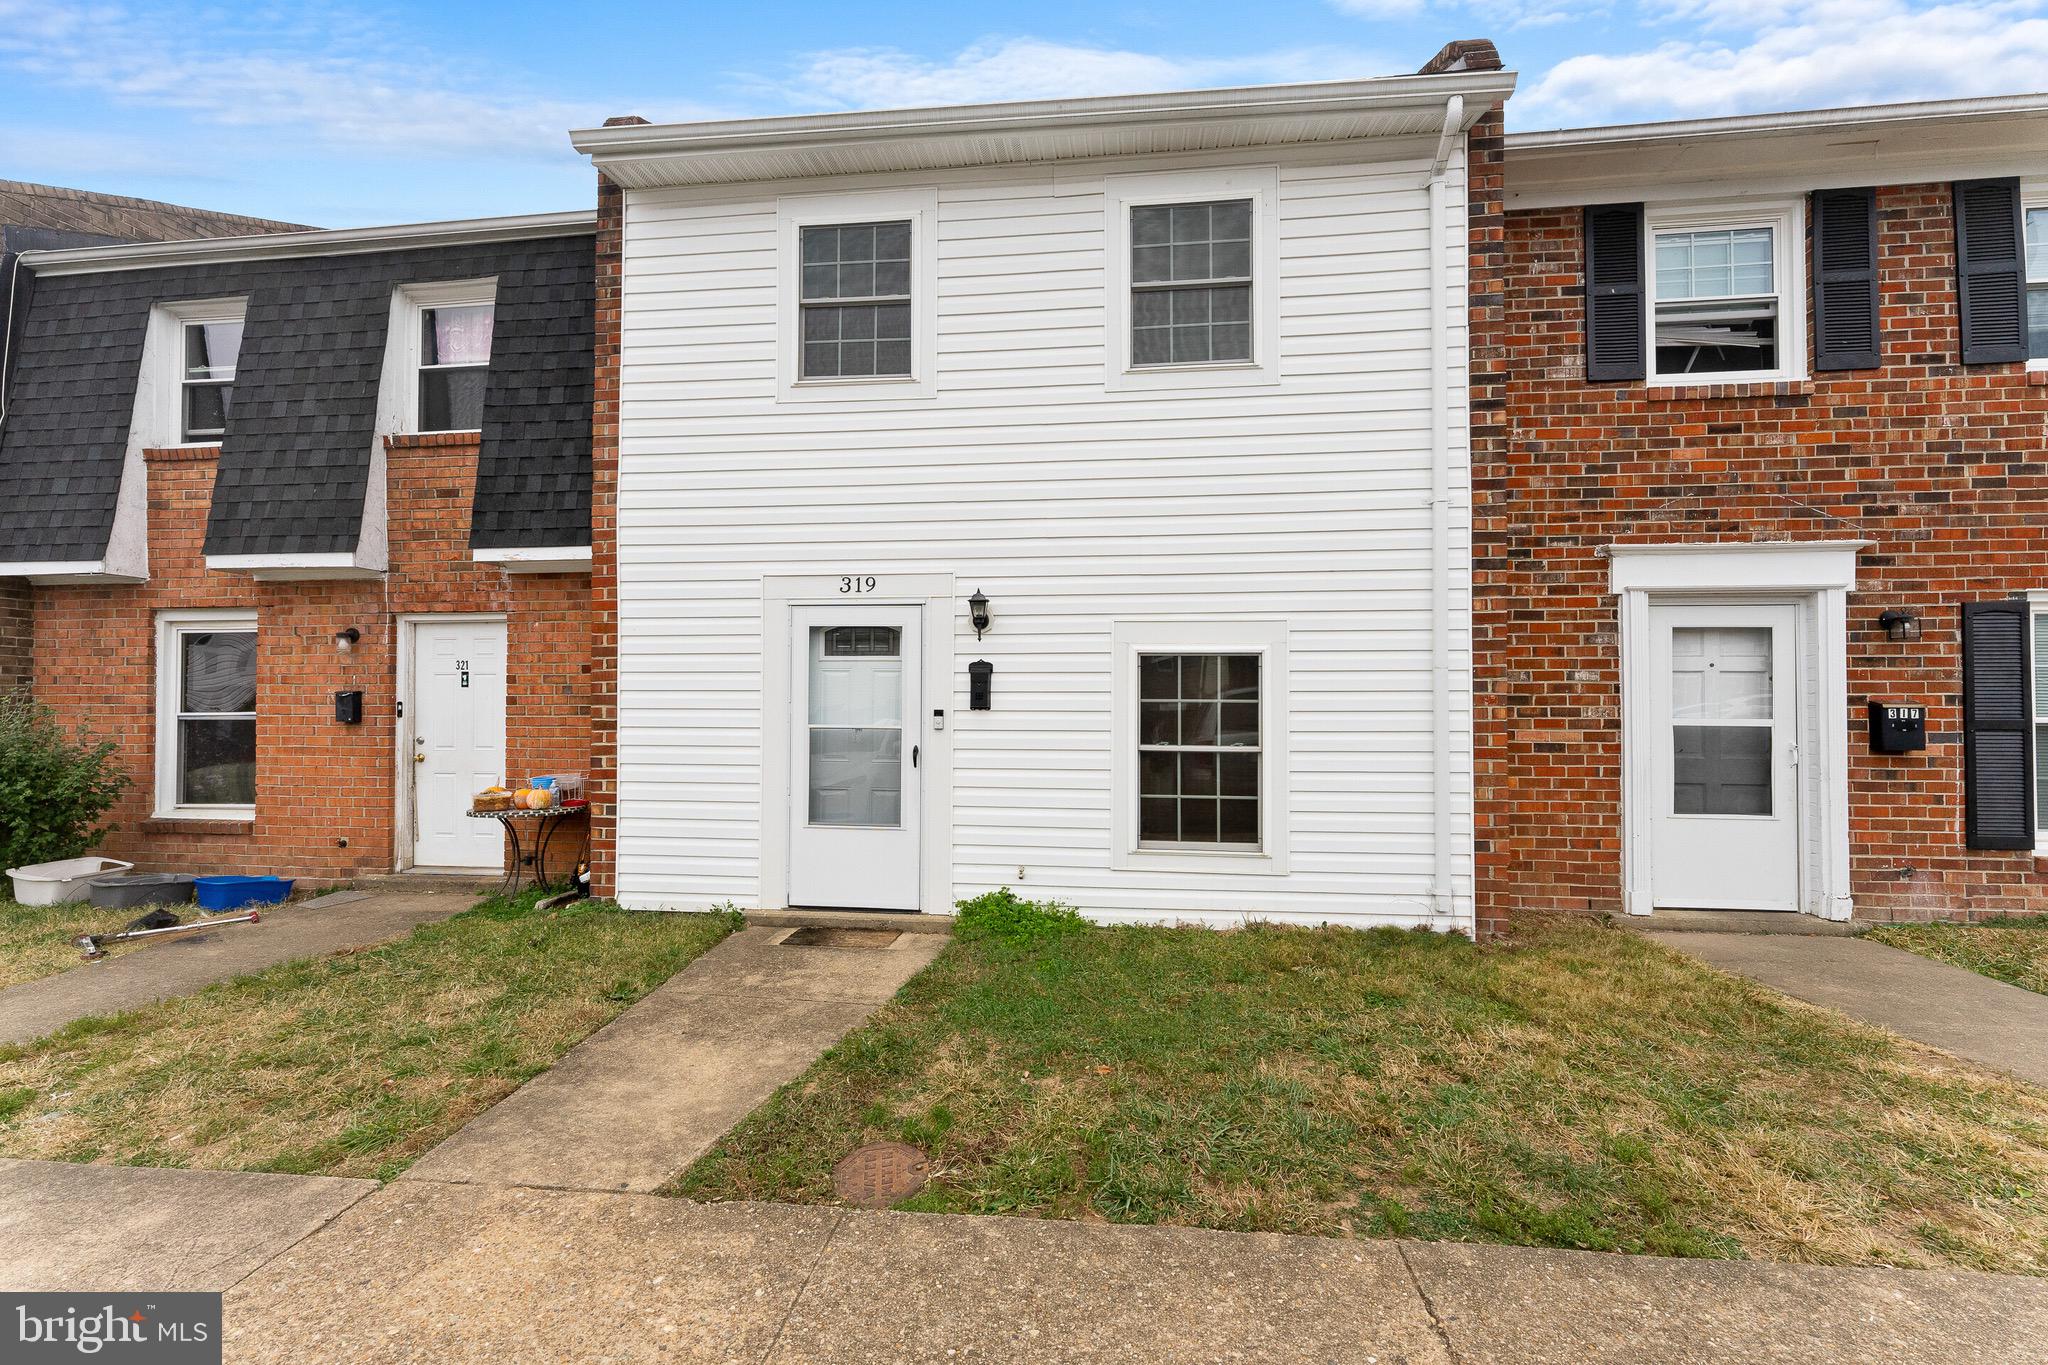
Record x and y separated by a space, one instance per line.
903 922
1741 922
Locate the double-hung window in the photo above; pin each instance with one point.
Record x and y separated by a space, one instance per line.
856 300
1726 300
455 363
1191 283
207 382
206 713
2037 283
1198 750
2040 663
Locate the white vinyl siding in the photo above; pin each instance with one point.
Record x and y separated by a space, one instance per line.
1076 506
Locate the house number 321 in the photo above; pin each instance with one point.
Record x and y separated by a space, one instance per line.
857 583
462 667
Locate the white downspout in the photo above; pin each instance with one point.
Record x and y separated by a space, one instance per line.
1442 902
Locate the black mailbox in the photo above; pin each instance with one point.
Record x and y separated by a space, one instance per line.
348 708
1896 729
981 676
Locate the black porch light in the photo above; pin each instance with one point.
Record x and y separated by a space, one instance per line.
977 612
347 638
1900 624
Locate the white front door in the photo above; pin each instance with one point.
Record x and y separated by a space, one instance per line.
855 754
1724 791
456 716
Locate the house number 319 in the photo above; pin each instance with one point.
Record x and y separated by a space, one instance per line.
857 583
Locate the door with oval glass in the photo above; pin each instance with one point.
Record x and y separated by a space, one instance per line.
1725 771
856 753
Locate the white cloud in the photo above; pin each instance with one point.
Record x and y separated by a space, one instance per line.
1031 68
322 76
1753 56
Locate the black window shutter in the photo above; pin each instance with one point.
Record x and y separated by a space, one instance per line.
1614 292
1991 276
1845 326
1998 723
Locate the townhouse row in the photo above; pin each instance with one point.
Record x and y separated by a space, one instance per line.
1301 502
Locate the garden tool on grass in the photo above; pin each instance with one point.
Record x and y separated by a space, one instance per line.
153 925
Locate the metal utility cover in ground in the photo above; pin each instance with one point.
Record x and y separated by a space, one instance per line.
880 1174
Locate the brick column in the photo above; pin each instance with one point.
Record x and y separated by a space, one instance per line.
603 780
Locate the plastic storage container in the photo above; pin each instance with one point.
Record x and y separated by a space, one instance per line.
49 883
230 893
120 892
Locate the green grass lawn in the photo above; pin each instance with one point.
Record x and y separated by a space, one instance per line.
35 940
2014 950
349 1064
1578 1086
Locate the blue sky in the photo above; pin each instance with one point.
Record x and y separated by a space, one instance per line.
342 114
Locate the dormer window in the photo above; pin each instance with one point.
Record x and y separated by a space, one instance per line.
455 361
211 349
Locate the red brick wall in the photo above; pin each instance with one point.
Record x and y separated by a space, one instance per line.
1940 465
16 605
604 545
325 803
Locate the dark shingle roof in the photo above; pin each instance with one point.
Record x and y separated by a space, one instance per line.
297 457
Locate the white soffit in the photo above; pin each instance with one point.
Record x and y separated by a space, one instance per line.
1880 144
644 156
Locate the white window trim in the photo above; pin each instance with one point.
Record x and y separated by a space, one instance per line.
170 625
1122 193
169 355
1787 221
416 299
1268 639
793 213
2033 196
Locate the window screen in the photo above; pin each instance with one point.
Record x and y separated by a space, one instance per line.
1191 283
216 718
856 301
1198 749
2037 283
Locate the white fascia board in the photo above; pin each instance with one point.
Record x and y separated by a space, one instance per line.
292 568
646 155
338 242
81 572
1778 153
540 559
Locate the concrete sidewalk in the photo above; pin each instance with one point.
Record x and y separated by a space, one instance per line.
648 1093
1930 1002
182 965
424 1271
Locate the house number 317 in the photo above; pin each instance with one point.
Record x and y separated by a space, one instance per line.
857 583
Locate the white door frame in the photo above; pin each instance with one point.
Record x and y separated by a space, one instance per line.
1819 574
942 618
402 836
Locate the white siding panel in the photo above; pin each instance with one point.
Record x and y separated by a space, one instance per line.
1074 507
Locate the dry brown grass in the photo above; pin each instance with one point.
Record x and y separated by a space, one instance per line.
35 940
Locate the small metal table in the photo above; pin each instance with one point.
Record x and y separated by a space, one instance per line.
534 853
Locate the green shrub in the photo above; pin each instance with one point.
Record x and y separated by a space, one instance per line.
54 786
1009 918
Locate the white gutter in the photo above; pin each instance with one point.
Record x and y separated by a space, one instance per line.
334 242
1442 901
1844 120
627 140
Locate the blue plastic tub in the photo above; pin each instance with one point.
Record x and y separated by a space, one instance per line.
231 893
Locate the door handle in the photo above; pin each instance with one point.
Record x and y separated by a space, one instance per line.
913 755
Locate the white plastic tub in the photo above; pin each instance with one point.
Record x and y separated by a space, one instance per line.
49 883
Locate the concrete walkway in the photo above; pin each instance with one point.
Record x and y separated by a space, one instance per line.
1931 1002
186 963
647 1094
320 1269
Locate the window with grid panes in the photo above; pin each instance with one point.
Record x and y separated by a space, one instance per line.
856 301
1198 750
1191 283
